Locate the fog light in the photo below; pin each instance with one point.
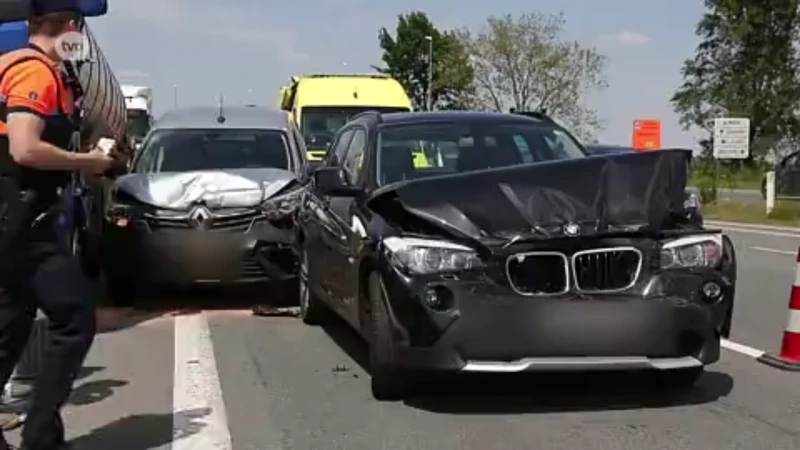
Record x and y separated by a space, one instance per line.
712 291
438 298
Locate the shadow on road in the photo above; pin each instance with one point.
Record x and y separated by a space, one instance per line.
144 431
162 302
94 391
87 371
540 393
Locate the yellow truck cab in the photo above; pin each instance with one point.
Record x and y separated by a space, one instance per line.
320 104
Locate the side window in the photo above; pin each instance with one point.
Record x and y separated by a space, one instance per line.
336 152
524 150
354 158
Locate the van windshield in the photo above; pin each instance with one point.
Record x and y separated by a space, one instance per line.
319 123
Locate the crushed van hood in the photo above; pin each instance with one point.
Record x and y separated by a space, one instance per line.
618 193
218 188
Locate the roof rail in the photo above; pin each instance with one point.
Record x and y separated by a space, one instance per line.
540 114
369 112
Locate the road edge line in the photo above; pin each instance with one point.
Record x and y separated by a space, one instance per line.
742 349
199 416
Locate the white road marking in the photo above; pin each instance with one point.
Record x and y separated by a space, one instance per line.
774 250
199 418
743 349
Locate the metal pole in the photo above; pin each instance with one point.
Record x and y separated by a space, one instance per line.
429 100
175 95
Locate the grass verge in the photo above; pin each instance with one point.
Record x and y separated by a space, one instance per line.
786 213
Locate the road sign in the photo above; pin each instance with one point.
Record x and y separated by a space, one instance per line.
731 138
646 134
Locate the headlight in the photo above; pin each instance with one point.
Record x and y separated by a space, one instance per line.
692 251
282 204
426 256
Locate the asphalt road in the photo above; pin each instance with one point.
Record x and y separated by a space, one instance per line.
224 379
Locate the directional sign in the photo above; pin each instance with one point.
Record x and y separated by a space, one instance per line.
731 138
646 134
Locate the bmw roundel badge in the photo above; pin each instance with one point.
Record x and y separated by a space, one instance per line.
572 229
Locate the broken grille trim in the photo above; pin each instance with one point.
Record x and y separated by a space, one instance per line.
567 275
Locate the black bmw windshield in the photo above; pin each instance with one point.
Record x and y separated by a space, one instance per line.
464 146
193 150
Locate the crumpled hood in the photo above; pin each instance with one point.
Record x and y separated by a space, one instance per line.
215 188
624 192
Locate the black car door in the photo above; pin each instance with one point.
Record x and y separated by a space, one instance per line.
345 248
322 230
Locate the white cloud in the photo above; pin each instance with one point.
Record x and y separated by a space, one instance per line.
197 17
630 38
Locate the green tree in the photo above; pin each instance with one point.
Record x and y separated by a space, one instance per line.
406 54
524 63
746 65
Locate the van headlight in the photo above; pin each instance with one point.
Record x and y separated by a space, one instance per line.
692 251
427 256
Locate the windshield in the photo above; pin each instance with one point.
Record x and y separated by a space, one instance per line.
192 150
138 123
319 123
454 147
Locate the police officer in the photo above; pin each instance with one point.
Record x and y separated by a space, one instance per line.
36 270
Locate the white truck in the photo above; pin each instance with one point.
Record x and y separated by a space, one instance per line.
139 106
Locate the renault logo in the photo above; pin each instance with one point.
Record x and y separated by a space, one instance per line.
200 217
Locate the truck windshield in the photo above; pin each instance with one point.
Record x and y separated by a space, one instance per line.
464 146
319 123
138 123
213 149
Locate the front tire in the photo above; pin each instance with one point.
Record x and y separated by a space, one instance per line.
311 309
389 382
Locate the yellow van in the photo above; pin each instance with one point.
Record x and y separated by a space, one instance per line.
320 104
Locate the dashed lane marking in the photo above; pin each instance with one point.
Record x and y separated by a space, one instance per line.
199 417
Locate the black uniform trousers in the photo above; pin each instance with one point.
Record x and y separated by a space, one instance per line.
40 272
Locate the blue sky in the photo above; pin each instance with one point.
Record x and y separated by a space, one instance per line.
249 48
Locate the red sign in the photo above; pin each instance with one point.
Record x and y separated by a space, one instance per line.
646 134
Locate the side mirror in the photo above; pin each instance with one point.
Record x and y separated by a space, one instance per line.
332 181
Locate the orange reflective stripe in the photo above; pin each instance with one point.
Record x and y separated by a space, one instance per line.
28 84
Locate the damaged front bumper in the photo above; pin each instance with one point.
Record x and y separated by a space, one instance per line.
250 247
470 322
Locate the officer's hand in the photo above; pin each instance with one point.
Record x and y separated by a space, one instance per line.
98 162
